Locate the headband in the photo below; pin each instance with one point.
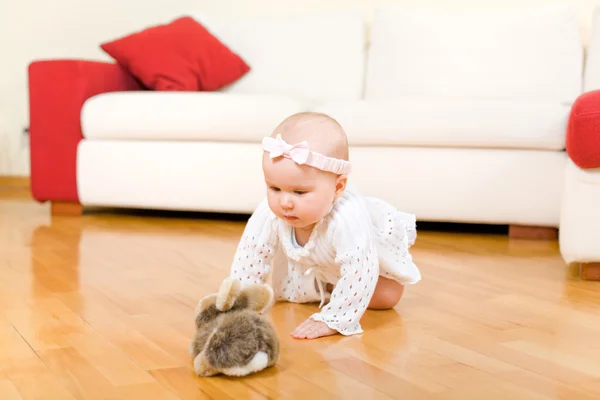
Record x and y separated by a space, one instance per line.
301 154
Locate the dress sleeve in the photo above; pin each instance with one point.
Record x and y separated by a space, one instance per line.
359 266
256 248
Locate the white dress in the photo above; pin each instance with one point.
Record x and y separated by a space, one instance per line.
360 239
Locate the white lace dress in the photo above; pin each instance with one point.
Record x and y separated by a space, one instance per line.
360 239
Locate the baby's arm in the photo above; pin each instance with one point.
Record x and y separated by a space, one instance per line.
357 257
251 262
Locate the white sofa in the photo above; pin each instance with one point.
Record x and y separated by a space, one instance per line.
454 116
579 238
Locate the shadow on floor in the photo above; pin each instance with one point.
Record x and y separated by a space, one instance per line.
447 227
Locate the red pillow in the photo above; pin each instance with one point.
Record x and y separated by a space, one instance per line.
583 131
179 56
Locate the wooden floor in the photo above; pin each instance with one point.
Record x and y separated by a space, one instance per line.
101 307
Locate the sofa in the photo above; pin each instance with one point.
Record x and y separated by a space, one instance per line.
579 235
456 116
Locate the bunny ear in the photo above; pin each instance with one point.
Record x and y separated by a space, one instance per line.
206 302
228 293
260 297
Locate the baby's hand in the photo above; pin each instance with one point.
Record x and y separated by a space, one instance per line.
311 329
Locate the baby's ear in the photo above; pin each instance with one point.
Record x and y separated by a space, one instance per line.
260 297
340 185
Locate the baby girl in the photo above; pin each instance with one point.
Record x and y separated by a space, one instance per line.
319 238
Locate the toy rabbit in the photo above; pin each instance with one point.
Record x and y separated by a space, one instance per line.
233 337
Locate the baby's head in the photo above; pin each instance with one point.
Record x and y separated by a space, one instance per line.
299 193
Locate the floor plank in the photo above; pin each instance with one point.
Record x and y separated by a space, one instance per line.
101 306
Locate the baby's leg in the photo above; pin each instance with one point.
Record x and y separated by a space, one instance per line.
387 294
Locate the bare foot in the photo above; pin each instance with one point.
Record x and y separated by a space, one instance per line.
311 329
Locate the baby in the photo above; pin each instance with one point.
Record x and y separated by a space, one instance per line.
319 238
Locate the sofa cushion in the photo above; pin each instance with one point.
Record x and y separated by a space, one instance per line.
311 57
455 123
179 55
151 115
533 52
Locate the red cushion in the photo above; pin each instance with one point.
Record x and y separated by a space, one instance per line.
180 56
583 133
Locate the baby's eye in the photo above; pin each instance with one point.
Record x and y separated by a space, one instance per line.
275 189
300 192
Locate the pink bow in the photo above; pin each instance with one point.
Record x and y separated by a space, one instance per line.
278 147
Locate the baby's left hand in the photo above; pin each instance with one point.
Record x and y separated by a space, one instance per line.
311 329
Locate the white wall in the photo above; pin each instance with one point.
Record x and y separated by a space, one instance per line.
74 28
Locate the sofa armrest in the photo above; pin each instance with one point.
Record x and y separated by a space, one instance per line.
583 131
57 91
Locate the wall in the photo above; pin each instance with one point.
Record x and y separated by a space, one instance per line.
73 28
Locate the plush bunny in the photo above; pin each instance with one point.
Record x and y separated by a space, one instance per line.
233 337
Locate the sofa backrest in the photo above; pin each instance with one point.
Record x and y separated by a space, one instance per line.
525 53
312 57
591 76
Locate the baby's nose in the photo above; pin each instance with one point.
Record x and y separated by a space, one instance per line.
286 202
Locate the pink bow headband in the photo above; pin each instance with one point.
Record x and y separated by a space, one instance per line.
301 154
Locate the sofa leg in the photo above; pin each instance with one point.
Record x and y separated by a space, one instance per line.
532 232
66 208
590 271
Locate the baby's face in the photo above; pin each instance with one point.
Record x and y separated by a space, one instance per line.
300 195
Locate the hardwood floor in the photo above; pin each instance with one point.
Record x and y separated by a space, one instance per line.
101 307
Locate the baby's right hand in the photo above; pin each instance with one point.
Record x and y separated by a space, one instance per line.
311 329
